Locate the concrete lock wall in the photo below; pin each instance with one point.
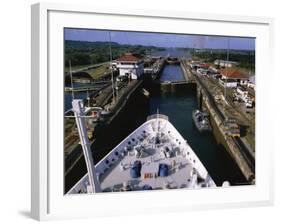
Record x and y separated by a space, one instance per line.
224 140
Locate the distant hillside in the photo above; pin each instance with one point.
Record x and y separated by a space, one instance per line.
74 44
85 53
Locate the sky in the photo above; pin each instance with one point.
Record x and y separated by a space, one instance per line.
161 39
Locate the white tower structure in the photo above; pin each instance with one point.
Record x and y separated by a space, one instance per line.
80 122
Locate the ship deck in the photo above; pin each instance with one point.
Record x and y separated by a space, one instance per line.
179 175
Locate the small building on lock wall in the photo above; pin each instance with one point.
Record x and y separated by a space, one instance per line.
130 65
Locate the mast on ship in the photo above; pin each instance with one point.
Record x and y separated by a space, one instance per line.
157 118
112 78
77 106
70 72
88 98
226 71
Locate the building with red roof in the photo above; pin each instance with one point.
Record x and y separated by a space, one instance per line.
129 57
130 65
233 76
204 65
232 73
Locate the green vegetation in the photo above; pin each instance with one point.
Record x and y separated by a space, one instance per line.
98 72
245 58
90 53
74 68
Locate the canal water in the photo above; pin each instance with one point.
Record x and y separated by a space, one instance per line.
77 95
171 73
178 106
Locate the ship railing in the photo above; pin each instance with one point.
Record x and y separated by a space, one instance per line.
155 116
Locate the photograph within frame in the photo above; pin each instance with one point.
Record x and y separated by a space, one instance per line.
157 111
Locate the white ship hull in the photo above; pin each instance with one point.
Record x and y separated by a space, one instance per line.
154 143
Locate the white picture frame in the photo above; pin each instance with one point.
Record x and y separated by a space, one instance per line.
48 201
